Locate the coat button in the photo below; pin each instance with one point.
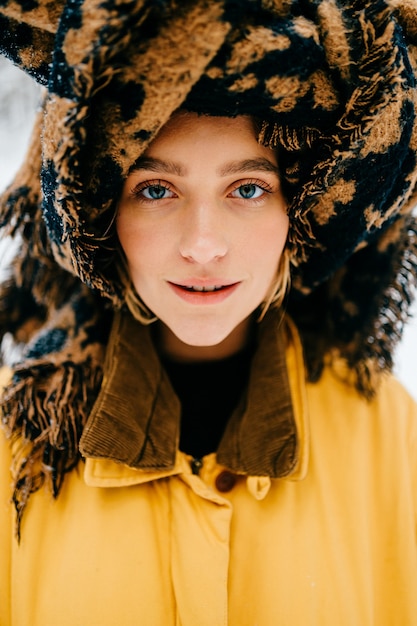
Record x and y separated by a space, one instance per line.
225 481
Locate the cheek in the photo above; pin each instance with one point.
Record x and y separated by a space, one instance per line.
268 242
142 246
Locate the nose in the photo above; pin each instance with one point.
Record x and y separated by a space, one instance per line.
203 236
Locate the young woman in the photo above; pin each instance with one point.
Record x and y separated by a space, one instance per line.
218 440
203 238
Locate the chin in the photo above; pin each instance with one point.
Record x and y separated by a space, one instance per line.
206 333
213 334
202 339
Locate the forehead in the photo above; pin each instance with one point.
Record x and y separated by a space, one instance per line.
190 136
189 121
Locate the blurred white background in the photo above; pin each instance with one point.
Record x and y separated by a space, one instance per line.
19 98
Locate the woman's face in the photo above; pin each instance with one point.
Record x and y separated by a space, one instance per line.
202 221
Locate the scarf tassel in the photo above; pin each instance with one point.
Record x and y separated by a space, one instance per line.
44 412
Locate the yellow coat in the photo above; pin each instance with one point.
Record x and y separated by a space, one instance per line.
332 544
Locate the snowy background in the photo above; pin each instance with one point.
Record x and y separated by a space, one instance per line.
19 98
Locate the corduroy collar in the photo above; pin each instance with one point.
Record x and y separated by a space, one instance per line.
136 418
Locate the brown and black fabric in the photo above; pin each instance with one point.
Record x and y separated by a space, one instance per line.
333 86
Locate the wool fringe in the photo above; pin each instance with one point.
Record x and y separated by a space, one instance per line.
44 413
369 355
383 339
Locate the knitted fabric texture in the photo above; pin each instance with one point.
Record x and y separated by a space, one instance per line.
333 86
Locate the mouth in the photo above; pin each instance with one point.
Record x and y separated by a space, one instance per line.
205 288
195 293
200 287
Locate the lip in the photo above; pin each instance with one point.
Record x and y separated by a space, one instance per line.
204 294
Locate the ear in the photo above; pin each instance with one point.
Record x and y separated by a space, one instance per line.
28 34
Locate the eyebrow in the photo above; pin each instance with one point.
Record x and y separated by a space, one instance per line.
154 164
158 165
260 164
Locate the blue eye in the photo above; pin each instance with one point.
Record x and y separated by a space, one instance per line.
249 191
156 192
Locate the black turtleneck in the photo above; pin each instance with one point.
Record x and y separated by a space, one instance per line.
209 391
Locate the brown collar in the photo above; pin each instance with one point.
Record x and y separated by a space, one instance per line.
136 418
